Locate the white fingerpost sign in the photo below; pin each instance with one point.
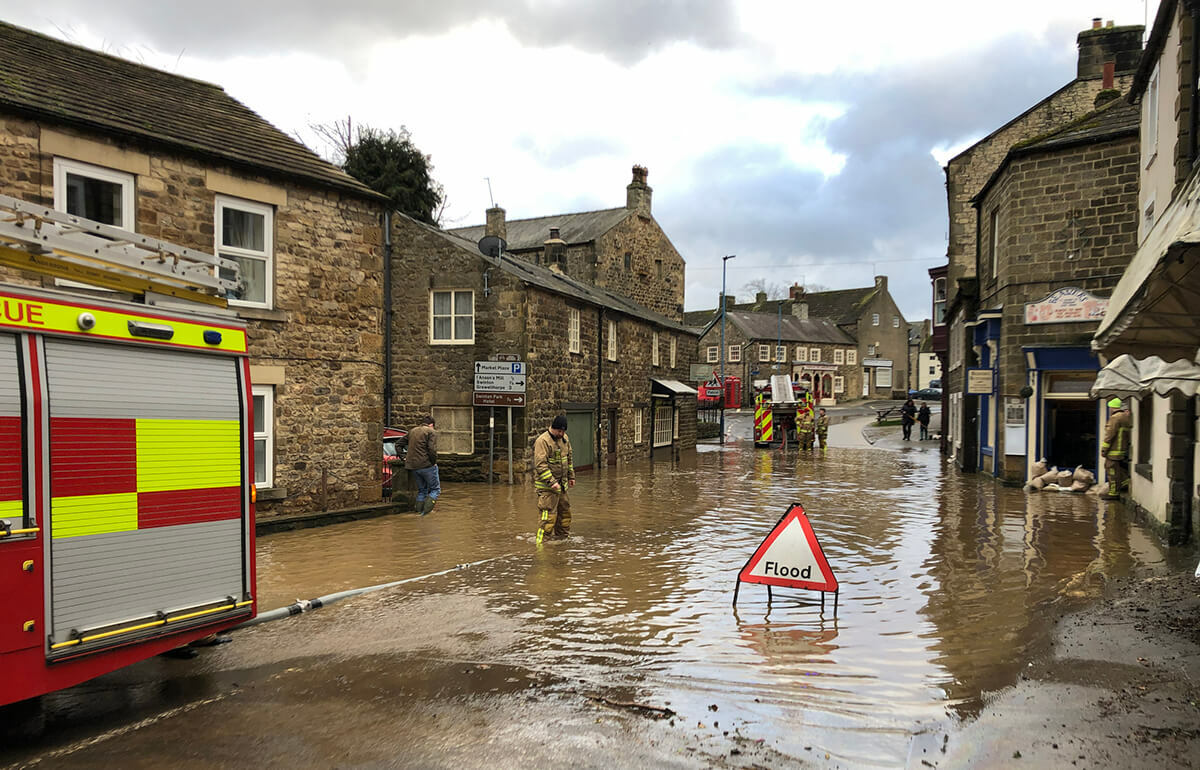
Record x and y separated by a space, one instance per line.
790 557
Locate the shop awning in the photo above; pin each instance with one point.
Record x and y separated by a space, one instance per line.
1152 311
671 388
1128 377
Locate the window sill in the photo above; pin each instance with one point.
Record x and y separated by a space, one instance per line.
1145 470
271 493
259 313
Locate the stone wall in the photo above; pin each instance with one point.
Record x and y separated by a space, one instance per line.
322 340
655 278
1066 219
891 340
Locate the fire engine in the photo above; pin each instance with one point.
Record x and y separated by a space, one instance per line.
126 452
776 407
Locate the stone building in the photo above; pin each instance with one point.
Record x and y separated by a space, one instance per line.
1150 333
1103 50
868 314
621 250
612 366
814 352
181 160
1058 226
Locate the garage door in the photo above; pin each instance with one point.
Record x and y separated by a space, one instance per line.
583 438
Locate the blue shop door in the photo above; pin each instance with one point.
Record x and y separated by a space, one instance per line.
583 439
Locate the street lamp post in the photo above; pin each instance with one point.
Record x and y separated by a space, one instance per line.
724 302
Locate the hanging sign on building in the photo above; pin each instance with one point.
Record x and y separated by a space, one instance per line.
980 381
790 557
1067 305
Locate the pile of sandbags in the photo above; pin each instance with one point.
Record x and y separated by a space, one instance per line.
1052 479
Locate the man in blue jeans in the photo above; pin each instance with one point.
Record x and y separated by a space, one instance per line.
422 461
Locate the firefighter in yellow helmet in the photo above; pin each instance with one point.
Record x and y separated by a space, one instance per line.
804 427
553 473
1116 449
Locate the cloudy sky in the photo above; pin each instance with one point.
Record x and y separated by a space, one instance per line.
807 138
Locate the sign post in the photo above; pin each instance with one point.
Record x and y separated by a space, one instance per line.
500 383
790 557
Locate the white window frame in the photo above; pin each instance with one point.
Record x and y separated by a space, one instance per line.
64 166
654 349
446 437
453 303
1150 137
895 322
673 341
675 429
267 255
612 340
883 380
781 353
839 383
713 354
939 301
637 424
874 319
839 356
573 343
801 355
735 354
764 352
663 422
851 357
814 355
267 435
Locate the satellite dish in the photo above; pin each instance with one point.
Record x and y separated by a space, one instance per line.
492 246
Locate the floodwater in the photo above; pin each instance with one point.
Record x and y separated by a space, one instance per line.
949 588
949 585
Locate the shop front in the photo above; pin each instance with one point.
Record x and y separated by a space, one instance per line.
817 379
1064 422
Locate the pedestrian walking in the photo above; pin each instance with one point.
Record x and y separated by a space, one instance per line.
908 415
422 461
1116 449
823 429
553 473
923 419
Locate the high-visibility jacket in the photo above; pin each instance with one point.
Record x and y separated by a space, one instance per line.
552 461
823 424
1116 438
804 423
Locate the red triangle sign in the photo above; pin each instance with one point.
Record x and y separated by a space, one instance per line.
790 557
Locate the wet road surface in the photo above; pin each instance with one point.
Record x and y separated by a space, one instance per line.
570 653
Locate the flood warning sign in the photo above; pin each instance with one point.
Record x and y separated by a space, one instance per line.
790 556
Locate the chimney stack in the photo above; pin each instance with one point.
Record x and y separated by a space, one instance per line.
881 282
1101 44
637 194
727 302
495 223
800 310
555 250
796 291
760 297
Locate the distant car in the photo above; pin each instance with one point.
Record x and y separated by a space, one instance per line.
926 394
936 383
395 447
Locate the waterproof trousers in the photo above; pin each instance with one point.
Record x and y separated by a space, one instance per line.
1118 476
823 438
806 439
554 510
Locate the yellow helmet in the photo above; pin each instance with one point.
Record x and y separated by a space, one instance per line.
1114 403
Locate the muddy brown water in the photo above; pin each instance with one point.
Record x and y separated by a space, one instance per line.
949 585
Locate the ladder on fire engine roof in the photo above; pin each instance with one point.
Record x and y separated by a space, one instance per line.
50 242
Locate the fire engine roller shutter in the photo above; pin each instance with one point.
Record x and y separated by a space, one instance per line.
12 508
145 475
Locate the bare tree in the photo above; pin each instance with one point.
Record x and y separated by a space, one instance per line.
773 290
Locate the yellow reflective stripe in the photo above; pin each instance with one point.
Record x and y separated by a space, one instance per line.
93 514
151 624
188 454
14 508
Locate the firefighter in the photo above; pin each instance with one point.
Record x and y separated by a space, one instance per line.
823 429
554 472
1116 449
804 428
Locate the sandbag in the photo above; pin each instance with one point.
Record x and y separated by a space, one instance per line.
1050 477
1099 489
1065 478
1079 486
1035 485
1084 475
1039 469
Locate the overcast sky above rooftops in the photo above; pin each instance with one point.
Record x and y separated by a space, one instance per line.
806 138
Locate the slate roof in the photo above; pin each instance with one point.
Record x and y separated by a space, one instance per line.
1115 119
768 326
556 282
522 234
45 78
842 306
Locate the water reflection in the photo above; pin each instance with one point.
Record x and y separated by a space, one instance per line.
946 585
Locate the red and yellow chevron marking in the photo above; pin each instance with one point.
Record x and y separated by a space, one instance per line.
118 475
768 431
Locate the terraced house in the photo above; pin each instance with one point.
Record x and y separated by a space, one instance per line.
181 160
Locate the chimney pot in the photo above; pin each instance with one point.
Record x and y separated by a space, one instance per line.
638 193
554 234
1095 22
1110 71
1109 24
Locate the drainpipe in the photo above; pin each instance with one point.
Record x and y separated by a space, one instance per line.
599 385
387 317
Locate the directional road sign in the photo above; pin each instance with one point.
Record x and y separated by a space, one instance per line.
500 367
500 383
498 399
